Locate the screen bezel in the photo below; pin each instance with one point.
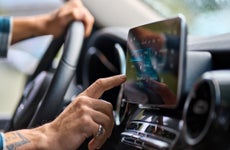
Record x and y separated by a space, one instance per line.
181 65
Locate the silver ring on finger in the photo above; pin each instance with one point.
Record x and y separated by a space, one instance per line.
99 131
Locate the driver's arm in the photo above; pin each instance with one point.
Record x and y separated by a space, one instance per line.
53 23
79 120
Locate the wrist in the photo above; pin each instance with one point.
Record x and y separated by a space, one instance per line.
50 138
41 140
26 139
39 25
42 24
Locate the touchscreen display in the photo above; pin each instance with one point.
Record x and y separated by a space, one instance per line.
154 63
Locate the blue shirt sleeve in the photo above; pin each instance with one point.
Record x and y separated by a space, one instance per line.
5 35
1 141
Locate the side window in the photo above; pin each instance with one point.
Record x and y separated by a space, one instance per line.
203 17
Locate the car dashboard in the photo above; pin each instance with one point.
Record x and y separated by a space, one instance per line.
201 121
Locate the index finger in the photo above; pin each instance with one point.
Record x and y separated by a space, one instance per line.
103 84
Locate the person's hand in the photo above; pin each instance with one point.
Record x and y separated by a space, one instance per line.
58 20
54 23
81 119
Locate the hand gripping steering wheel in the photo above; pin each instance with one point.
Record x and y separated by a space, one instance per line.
49 104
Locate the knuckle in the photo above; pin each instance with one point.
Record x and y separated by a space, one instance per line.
85 120
73 13
81 101
81 104
75 3
99 82
82 111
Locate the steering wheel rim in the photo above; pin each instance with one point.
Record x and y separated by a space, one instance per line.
52 100
64 74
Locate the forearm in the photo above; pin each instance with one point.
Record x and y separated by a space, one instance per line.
27 139
54 23
27 27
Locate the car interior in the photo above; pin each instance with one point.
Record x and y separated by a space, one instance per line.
176 93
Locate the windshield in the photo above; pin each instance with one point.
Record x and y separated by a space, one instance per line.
204 17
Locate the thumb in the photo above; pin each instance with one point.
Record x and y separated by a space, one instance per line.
103 84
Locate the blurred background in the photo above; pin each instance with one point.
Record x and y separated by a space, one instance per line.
22 57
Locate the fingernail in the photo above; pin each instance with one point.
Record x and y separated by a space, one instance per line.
122 76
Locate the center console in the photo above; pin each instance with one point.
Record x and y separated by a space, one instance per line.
155 70
172 99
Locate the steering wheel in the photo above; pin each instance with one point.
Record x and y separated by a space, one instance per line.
44 95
